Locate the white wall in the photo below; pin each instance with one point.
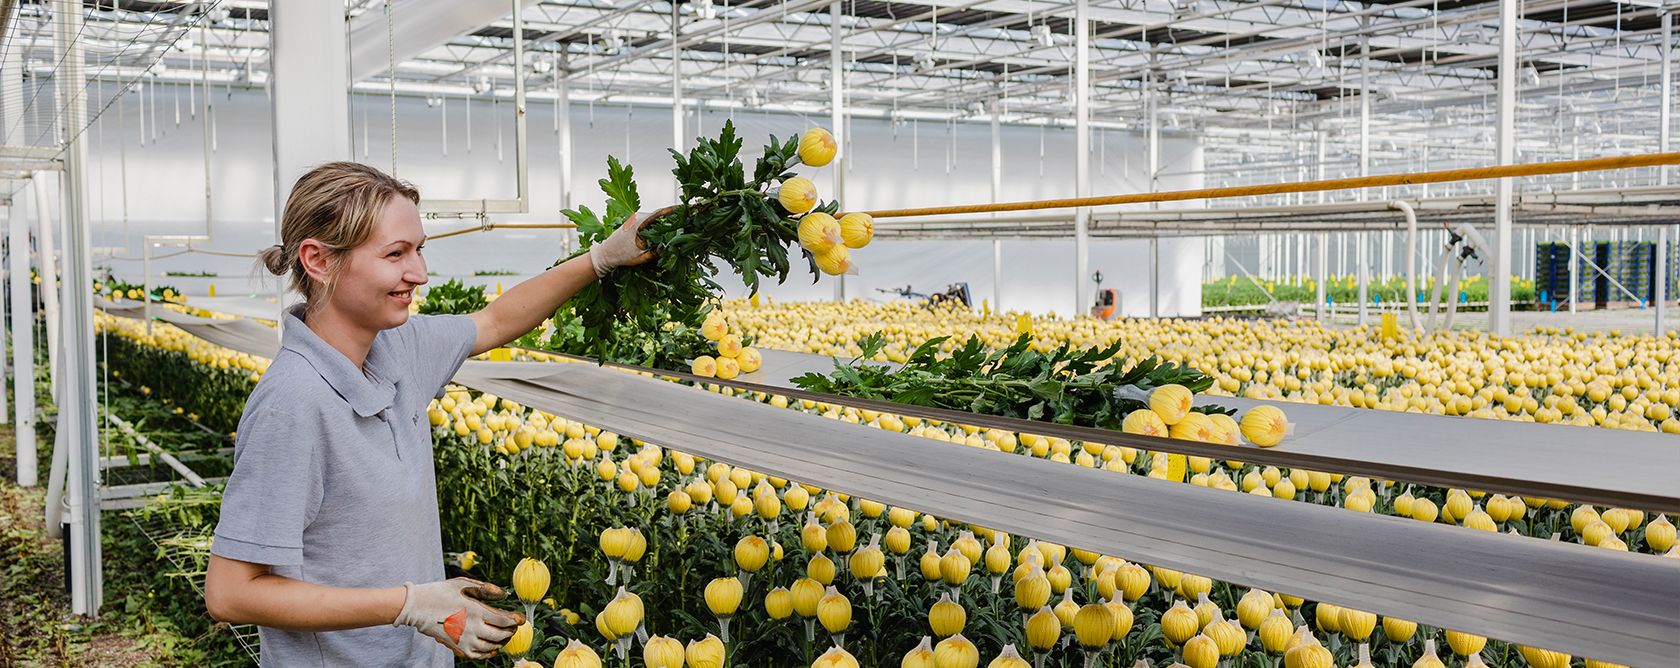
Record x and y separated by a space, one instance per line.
925 164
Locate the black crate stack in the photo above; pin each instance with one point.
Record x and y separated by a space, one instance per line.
1630 263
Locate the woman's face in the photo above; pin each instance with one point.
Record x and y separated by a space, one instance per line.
377 283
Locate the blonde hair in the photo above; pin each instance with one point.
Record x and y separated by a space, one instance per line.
337 204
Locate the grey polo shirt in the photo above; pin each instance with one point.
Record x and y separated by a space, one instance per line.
333 480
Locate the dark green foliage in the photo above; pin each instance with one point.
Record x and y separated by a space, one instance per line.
724 219
454 298
1066 385
216 396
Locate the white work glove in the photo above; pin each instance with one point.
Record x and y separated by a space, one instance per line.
625 246
448 612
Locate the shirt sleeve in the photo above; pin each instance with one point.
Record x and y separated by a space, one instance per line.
274 493
435 346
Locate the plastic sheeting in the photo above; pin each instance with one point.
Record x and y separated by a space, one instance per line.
1498 456
246 336
1612 606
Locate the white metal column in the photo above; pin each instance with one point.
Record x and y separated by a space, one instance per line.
23 348
677 110
1660 290
837 119
1499 283
1322 273
1081 152
310 105
1574 267
43 183
1362 267
997 196
1663 118
77 412
563 121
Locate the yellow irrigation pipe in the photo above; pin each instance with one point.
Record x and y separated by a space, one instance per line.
492 226
1536 169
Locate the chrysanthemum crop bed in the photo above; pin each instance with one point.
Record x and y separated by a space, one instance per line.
516 484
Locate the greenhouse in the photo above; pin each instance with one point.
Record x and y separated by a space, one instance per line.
662 334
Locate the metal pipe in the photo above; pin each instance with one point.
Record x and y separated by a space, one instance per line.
1472 174
1411 258
1664 110
1440 277
192 478
837 119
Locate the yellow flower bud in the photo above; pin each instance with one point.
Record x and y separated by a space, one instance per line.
749 360
1398 630
821 569
898 540
679 502
817 147
835 657
778 603
1008 658
807 593
1356 624
663 652
819 232
1171 402
623 613
920 657
1093 625
1464 644
1179 623
1265 426
797 195
947 618
723 596
704 366
1043 629
1201 652
751 553
1253 608
834 611
857 230
956 652
835 261
705 653
842 536
577 655
530 580
1274 631
954 567
521 640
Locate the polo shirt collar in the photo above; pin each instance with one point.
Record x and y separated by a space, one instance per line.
368 393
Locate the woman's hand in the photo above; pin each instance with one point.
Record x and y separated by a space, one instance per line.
625 247
450 613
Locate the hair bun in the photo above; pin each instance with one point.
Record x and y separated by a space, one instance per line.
274 259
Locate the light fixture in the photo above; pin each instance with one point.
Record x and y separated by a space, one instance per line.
924 61
542 65
611 40
703 9
217 14
482 86
431 100
1533 75
1041 32
1316 58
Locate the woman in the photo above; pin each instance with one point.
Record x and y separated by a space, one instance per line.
329 536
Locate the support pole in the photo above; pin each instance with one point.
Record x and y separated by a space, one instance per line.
23 349
1154 277
1499 283
1660 288
77 414
310 105
837 110
563 120
1082 152
1362 268
1663 117
48 264
1574 267
997 196
677 109
1321 271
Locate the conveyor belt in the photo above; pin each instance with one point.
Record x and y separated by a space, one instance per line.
1624 469
1612 606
